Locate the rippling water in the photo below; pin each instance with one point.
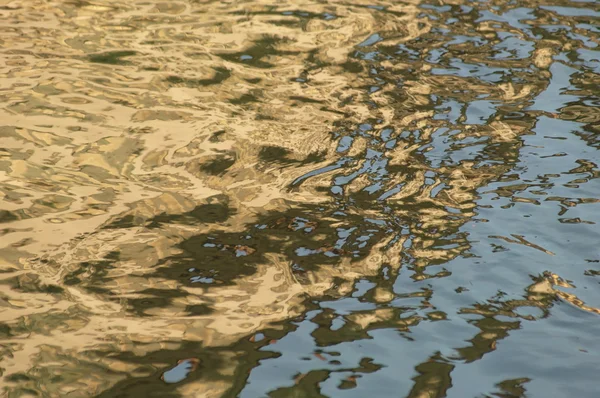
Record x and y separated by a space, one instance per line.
299 198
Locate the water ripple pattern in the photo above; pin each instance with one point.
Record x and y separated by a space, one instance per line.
308 198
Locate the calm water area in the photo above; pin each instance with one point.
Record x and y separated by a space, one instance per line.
300 198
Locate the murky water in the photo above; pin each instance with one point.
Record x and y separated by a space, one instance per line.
299 198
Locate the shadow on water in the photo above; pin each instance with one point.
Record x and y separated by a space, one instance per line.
112 58
221 74
263 48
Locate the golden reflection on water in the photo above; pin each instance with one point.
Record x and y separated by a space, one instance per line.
178 178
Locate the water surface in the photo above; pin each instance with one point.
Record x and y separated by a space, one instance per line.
299 199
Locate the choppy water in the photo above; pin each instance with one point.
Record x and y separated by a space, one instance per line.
299 198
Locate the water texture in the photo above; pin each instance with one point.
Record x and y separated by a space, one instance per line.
299 198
